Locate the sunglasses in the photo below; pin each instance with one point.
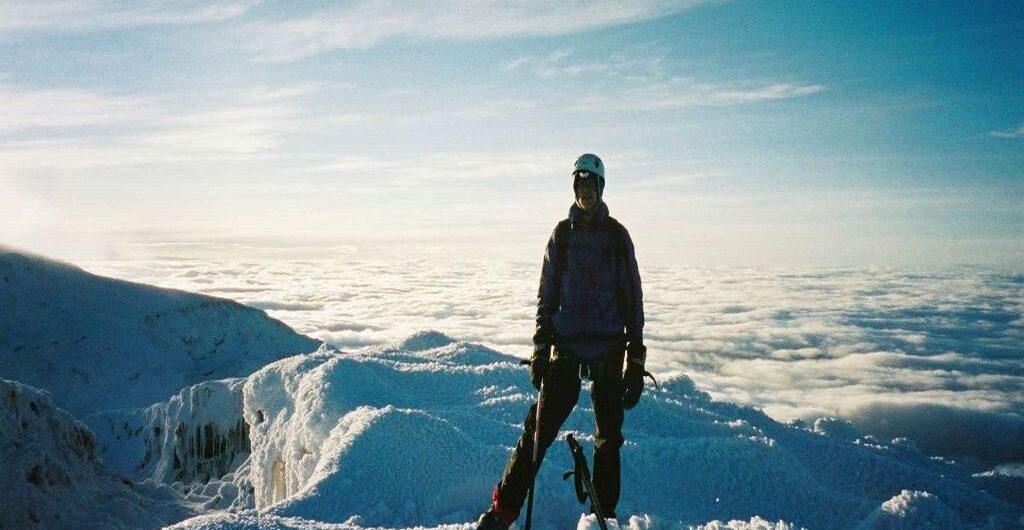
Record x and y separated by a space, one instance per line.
584 174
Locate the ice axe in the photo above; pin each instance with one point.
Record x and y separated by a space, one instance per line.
536 452
581 480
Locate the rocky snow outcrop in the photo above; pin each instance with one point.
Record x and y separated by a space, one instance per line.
53 480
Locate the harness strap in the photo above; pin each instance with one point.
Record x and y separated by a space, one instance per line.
586 369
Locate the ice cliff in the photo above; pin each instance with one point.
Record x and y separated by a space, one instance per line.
196 436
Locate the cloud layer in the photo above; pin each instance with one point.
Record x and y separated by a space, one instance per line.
900 353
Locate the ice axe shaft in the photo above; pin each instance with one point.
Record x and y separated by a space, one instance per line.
534 463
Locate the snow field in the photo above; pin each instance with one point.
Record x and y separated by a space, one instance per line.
416 434
409 435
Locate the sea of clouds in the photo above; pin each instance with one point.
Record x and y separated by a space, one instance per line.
936 356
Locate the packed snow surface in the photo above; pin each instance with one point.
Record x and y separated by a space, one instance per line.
416 434
100 344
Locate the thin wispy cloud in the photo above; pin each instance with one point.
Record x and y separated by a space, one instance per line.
63 16
54 108
250 122
464 166
638 82
554 65
725 96
567 63
45 130
365 24
145 130
684 92
1012 133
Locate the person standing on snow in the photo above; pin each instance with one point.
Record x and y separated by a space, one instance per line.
590 321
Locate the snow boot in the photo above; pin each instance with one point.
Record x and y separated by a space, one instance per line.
492 520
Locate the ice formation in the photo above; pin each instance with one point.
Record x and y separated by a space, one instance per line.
197 436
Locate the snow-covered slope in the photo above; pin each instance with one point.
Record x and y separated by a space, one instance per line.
417 433
51 478
99 344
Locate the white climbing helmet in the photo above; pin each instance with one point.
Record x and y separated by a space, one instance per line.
588 166
589 162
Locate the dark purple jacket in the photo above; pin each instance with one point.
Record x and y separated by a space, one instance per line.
592 303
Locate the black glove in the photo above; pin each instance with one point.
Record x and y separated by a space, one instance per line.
539 364
633 380
633 386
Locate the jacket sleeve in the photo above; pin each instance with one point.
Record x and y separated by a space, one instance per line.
633 293
547 294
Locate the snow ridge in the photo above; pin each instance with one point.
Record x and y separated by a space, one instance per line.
101 344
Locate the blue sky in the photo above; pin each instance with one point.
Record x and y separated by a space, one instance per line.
735 133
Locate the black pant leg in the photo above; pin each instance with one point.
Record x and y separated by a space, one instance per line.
560 392
608 415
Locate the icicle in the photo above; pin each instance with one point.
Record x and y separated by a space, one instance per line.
278 489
